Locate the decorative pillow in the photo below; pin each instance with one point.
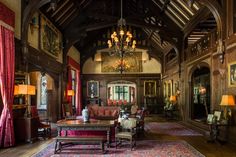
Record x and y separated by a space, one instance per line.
107 113
101 112
91 113
114 102
109 102
114 113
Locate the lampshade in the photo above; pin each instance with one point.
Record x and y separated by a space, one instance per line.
70 93
16 90
202 90
26 89
173 98
227 100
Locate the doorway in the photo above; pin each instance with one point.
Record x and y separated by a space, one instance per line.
200 97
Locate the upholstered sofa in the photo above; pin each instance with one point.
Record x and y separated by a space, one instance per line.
100 113
103 112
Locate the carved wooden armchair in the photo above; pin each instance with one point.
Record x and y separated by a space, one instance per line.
67 111
126 130
44 125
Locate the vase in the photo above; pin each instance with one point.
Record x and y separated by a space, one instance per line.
85 114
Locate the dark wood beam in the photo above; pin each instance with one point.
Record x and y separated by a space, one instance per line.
163 17
201 15
101 16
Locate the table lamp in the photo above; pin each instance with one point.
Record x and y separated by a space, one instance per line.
26 90
173 99
226 102
70 92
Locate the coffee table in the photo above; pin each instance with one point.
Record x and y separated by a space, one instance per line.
92 125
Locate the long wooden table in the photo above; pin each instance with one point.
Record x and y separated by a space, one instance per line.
78 124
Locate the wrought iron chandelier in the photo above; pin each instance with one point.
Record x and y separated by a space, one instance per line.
121 42
121 65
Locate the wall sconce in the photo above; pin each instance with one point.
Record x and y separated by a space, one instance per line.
221 58
220 51
33 24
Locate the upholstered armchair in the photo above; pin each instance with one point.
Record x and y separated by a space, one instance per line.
126 130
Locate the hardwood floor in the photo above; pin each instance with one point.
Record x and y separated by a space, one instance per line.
198 142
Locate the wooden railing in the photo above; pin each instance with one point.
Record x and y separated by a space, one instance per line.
202 46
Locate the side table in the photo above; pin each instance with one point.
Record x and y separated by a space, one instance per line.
215 131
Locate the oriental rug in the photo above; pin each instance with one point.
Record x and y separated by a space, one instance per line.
170 128
145 148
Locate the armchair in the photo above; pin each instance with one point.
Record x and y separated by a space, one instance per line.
126 131
44 126
67 111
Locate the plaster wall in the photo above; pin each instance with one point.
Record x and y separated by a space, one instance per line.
33 33
74 53
34 37
94 67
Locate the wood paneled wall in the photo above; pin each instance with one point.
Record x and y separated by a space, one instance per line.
138 79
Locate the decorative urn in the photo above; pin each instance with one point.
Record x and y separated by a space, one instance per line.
85 114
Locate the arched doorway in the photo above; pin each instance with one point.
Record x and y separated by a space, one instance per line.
200 94
45 94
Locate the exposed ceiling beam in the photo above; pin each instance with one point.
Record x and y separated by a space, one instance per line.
201 15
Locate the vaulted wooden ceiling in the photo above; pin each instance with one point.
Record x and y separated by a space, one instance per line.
159 25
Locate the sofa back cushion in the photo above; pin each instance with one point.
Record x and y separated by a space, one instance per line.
107 112
101 111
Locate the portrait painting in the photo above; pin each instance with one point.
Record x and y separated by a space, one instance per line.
232 74
92 89
150 88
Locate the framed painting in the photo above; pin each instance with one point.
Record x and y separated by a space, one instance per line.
92 89
217 114
210 118
50 37
150 88
232 74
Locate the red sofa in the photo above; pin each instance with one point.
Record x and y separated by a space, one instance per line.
100 113
103 112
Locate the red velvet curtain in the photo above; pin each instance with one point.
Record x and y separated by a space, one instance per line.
78 99
7 70
69 83
78 95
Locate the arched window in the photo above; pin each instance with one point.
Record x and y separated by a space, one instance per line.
43 92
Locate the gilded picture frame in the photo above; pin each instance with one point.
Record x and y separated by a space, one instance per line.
50 38
232 74
92 89
150 88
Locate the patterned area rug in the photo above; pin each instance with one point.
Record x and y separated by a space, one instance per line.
170 128
145 148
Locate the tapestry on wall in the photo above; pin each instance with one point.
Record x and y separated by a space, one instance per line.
50 37
131 63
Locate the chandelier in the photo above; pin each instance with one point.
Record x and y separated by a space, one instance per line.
121 65
121 41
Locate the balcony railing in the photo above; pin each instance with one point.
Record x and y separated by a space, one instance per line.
202 46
